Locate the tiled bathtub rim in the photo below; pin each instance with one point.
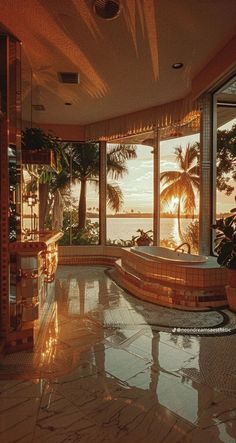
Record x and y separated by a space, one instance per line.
170 287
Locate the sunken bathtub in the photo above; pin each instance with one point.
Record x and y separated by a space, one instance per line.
171 278
168 255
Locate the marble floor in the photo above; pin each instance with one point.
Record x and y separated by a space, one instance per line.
109 368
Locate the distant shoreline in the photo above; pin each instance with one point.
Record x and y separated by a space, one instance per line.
149 215
138 215
144 215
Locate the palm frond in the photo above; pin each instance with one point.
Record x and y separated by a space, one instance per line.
180 157
170 192
182 183
114 197
85 159
195 182
116 170
194 170
121 152
191 155
169 176
61 155
189 202
117 157
61 181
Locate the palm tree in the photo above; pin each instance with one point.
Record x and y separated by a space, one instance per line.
37 139
49 182
86 166
183 183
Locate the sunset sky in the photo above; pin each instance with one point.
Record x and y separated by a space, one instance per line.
137 186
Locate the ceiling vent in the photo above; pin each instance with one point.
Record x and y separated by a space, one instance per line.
38 107
107 9
69 77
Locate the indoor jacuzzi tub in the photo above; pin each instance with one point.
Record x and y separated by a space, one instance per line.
168 255
156 274
172 278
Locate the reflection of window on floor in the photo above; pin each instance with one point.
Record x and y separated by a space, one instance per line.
179 192
130 192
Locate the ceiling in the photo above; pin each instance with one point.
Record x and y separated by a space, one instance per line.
125 64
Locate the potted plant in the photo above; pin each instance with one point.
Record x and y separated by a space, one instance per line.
40 148
225 248
49 153
143 239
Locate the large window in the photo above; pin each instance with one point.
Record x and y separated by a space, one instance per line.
129 191
75 194
74 200
226 148
179 198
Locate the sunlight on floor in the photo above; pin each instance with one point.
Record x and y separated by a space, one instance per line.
104 370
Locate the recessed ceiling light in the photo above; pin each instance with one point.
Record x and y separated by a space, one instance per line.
107 9
177 65
68 103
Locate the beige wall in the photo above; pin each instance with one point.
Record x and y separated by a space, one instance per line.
66 132
221 65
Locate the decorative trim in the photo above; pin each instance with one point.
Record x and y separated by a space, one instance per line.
177 112
89 260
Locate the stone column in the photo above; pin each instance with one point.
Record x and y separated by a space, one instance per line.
206 194
103 192
10 133
156 188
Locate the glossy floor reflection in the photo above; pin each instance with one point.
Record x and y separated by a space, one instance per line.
103 371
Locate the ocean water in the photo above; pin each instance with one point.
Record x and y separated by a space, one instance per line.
125 228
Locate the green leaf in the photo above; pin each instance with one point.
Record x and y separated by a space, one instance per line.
225 253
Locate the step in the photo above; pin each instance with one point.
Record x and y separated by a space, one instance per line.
167 294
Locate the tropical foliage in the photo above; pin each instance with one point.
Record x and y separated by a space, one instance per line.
182 184
168 243
74 235
37 139
225 241
226 159
81 165
191 235
120 242
143 237
86 166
